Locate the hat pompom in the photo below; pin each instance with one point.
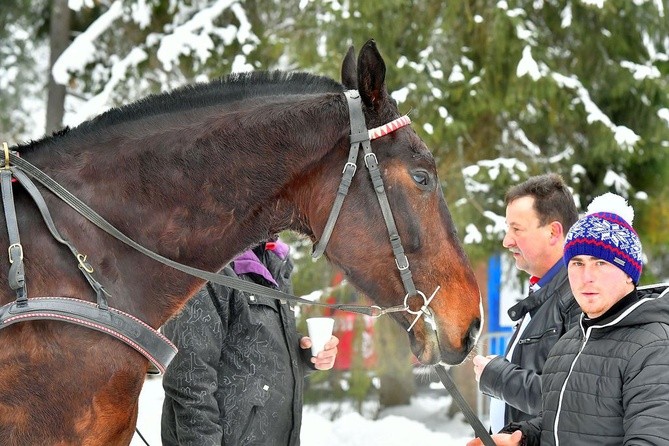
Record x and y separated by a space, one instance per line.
613 204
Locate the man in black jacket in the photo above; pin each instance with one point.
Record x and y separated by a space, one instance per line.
238 376
606 382
539 212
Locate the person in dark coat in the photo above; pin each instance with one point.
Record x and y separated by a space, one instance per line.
606 382
238 376
539 212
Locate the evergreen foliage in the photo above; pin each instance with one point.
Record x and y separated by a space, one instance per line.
499 90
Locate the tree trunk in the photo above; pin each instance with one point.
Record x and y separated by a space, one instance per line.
59 33
394 363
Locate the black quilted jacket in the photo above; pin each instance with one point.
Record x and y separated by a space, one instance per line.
238 377
554 311
609 384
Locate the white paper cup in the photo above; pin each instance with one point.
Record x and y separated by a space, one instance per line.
320 332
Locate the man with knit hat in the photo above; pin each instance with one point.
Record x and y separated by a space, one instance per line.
605 382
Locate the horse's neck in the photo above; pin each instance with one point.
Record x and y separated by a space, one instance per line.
195 194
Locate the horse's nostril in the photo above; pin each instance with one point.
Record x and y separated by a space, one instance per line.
472 334
475 327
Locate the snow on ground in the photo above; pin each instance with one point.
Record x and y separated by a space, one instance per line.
424 421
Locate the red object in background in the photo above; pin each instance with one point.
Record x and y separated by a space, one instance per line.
328 310
344 330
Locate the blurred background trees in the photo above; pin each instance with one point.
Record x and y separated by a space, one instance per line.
498 90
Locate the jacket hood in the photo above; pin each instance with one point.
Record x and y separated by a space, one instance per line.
653 306
248 262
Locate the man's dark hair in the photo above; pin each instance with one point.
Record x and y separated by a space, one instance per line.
552 199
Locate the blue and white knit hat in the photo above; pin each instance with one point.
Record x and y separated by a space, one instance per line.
606 232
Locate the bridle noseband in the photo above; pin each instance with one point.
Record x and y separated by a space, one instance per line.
360 136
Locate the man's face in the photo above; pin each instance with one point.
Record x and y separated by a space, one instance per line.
597 284
529 242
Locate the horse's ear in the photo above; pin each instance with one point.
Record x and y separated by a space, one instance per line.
372 76
349 75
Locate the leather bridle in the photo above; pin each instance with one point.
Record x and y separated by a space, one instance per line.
361 137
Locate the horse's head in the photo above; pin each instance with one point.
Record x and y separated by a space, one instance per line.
360 242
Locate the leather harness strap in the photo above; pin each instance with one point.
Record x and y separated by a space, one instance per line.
98 316
132 331
84 266
16 275
479 430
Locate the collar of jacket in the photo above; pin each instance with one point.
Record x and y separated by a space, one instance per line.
537 298
248 262
656 309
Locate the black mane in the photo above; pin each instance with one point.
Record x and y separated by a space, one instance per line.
230 88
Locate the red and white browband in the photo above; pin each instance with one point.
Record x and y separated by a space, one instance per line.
390 127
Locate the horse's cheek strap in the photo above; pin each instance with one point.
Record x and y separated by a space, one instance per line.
358 135
342 191
358 126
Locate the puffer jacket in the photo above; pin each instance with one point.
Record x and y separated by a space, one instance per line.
518 383
238 376
609 384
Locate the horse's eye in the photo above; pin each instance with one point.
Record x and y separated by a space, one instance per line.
421 177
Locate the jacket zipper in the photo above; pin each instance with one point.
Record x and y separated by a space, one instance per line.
564 386
247 429
533 339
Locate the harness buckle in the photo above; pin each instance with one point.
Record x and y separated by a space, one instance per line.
5 148
9 252
405 264
347 165
83 264
371 155
378 311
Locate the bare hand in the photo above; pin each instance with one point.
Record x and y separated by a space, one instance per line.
501 439
479 364
326 358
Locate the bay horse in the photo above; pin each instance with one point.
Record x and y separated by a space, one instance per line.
198 175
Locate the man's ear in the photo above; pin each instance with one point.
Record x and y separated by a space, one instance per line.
557 232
